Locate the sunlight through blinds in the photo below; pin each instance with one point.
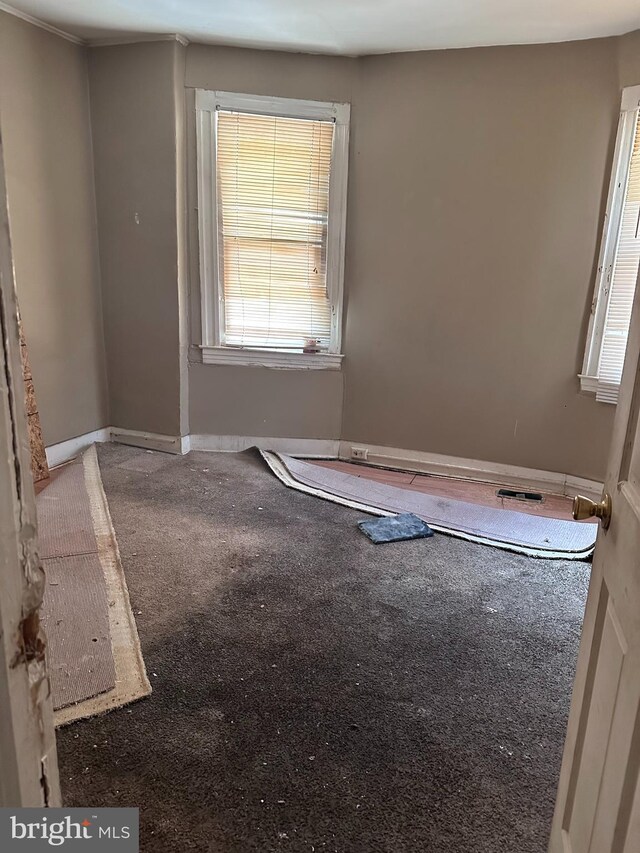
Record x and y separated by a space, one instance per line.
273 199
623 283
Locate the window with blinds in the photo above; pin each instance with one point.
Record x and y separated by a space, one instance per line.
272 207
620 261
623 276
273 176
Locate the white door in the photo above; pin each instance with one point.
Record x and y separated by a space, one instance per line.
598 801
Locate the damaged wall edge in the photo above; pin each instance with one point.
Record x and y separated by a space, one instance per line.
28 762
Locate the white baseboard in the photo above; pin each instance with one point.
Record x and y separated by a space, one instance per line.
319 448
471 469
66 450
149 440
580 486
311 447
57 454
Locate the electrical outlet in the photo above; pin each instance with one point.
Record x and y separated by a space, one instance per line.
359 453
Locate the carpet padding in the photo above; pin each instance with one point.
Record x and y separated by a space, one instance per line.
536 536
316 692
93 654
65 526
76 623
75 608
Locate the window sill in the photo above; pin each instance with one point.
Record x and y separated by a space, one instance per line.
604 392
271 358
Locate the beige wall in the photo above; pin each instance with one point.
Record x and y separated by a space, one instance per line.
44 117
629 59
230 400
251 400
477 186
134 114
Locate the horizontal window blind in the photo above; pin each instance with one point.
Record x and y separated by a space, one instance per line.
273 199
623 281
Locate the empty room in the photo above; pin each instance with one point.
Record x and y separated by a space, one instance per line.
320 385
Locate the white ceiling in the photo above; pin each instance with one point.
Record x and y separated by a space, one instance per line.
351 27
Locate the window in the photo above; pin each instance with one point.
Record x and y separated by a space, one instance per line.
272 181
619 261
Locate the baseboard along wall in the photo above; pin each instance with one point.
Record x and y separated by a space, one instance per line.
469 469
385 457
57 454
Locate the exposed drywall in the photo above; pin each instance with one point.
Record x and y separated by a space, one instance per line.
133 107
251 400
478 179
44 115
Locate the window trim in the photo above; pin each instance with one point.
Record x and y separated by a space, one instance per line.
211 292
589 381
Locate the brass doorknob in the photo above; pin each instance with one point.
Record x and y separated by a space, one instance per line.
585 508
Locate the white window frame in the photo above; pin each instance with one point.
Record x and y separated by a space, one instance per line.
615 202
211 284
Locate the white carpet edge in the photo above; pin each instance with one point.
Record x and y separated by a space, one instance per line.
279 468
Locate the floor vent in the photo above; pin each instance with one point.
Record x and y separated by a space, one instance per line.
535 497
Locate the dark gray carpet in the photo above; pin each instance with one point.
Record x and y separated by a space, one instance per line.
316 692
